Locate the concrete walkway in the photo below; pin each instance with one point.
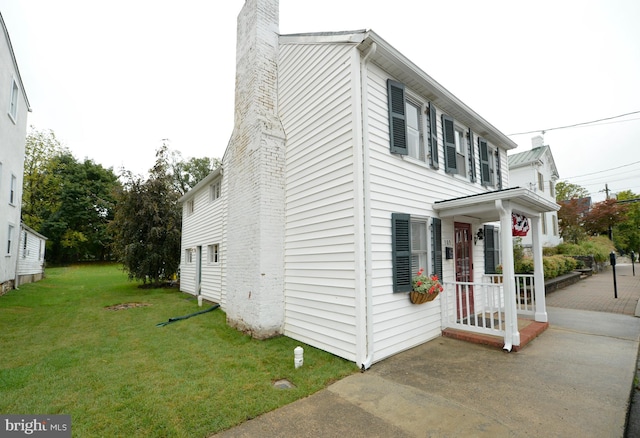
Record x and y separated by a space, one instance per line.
574 380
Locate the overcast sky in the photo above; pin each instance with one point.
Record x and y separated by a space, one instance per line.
114 78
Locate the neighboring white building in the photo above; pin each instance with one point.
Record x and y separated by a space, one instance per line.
348 169
14 106
31 256
536 170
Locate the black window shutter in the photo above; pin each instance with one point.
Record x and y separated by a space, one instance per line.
485 169
433 137
448 134
397 118
472 158
489 250
401 251
498 169
436 243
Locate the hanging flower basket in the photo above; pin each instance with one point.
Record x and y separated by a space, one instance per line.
420 298
425 288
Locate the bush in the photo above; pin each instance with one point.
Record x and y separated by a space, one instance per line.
549 251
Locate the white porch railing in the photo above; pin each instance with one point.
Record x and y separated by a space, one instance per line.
479 307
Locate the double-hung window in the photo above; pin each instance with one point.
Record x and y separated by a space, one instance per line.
12 190
458 158
410 248
214 253
9 239
13 103
412 129
492 254
215 190
490 173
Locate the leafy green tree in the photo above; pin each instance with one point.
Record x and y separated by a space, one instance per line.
566 191
188 173
147 223
626 235
68 201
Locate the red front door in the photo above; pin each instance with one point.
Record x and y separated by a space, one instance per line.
464 269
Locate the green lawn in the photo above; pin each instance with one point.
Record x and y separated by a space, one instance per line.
117 374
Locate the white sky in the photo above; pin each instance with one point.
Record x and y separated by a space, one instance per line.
114 78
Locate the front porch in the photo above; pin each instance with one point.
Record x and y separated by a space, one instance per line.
475 312
506 310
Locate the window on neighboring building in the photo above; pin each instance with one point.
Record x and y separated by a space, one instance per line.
12 190
552 189
9 238
214 253
410 249
188 256
13 104
24 246
39 249
554 222
215 190
540 182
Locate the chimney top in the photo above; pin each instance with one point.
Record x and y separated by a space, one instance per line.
537 141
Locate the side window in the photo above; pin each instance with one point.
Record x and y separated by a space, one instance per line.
415 143
13 103
215 190
12 190
214 253
190 206
188 255
490 173
9 239
24 245
540 182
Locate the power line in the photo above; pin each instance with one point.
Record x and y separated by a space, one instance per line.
576 124
601 171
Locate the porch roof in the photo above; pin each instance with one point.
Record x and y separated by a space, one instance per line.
483 205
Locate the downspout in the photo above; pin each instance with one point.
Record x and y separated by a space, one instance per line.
366 178
510 337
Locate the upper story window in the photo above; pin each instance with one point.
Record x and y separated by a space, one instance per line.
215 190
458 151
552 189
13 104
540 182
12 190
490 173
412 129
190 206
9 238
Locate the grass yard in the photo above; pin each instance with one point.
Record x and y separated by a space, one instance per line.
117 374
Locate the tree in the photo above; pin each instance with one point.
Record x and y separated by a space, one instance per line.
147 223
188 173
68 201
570 220
566 191
603 216
626 235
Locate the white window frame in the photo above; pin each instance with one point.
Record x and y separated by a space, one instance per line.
215 190
421 153
420 249
9 239
462 149
13 103
188 255
191 206
12 189
214 253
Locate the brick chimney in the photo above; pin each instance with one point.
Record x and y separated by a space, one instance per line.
254 173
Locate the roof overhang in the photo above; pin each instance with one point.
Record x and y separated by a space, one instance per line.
483 206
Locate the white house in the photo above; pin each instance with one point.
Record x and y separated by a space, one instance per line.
14 106
31 251
536 170
348 169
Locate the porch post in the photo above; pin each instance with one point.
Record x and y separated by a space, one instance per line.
512 335
538 270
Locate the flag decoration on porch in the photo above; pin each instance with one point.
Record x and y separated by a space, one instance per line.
519 225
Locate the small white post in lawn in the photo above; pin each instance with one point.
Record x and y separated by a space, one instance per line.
298 358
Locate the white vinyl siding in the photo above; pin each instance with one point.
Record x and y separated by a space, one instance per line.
31 260
204 228
317 112
399 185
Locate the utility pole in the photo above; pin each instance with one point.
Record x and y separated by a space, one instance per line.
606 189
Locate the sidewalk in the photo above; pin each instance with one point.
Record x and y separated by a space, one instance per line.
574 380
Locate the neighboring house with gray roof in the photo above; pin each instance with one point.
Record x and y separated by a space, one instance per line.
536 170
